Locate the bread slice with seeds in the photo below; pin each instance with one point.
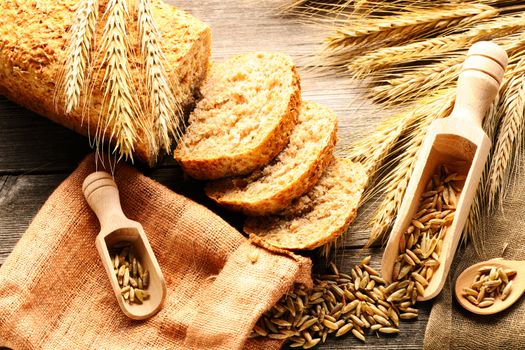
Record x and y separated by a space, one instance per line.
289 175
318 217
248 110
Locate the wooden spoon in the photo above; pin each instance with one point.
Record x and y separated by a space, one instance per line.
102 195
467 277
459 142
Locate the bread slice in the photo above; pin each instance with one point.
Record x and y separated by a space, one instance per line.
32 53
289 175
248 110
318 217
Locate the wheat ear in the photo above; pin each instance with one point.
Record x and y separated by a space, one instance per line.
412 85
409 24
166 110
122 112
422 79
78 52
375 148
395 183
473 230
509 140
390 56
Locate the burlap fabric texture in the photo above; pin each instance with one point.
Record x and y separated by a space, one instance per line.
452 327
55 294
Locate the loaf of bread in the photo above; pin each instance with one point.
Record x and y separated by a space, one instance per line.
244 119
289 175
318 217
33 41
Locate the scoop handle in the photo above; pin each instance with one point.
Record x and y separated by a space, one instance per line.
479 81
101 193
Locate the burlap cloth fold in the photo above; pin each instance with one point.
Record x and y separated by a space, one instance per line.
452 327
54 293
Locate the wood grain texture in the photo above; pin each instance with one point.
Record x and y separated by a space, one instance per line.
36 154
31 143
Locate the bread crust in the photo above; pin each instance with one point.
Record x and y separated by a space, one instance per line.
281 198
294 229
33 37
242 163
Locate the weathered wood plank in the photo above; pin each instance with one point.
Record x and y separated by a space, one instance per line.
30 143
20 199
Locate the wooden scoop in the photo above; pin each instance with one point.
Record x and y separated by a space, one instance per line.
466 279
102 195
459 142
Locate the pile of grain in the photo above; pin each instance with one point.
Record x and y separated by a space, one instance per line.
491 282
340 303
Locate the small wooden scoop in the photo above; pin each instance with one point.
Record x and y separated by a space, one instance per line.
466 279
102 195
459 142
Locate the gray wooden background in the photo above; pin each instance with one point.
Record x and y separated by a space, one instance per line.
36 155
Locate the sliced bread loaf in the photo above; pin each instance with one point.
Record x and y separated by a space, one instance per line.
318 217
33 37
289 175
248 110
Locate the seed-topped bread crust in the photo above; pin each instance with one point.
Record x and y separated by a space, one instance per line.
318 217
33 38
289 175
248 110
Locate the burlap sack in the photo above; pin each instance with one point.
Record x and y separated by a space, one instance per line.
452 327
54 293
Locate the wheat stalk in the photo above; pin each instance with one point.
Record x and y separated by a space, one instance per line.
166 110
389 56
122 114
395 183
509 140
411 24
78 52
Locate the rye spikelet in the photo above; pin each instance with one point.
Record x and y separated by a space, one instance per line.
165 109
121 115
398 28
78 53
509 144
395 183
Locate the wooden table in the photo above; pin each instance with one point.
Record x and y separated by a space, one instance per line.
36 155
